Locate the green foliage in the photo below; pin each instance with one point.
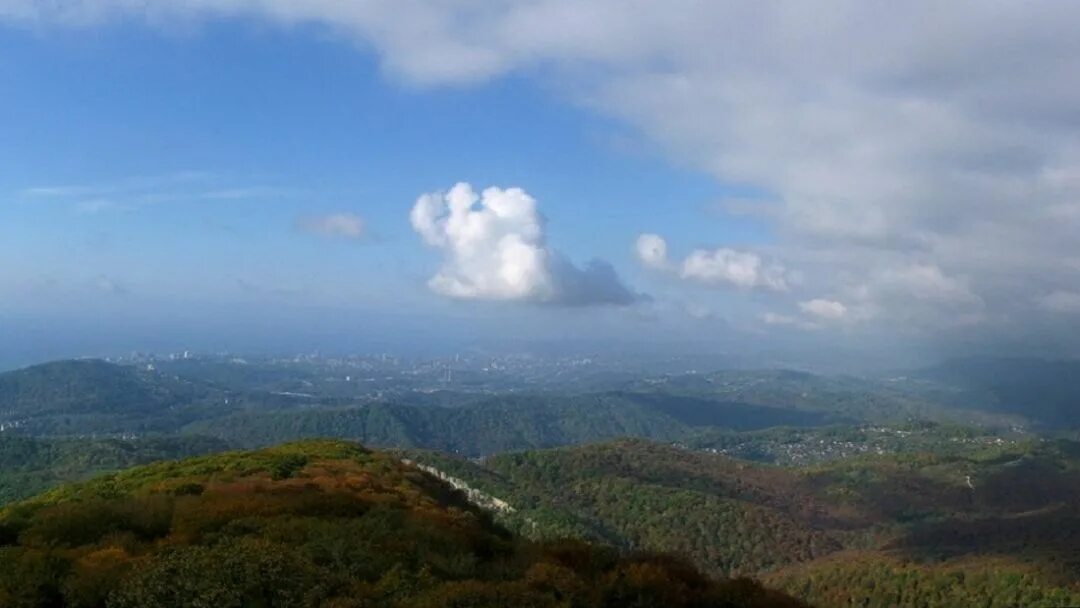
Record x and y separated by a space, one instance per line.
861 579
815 445
29 466
910 509
968 501
319 523
841 398
499 424
486 428
77 387
641 495
95 397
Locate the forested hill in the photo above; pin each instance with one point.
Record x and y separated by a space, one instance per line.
313 524
89 396
501 423
990 524
29 465
1047 392
94 398
84 386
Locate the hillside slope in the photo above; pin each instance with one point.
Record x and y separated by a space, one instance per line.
30 465
1046 392
89 396
319 523
501 423
1003 516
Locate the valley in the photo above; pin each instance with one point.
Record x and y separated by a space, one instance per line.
838 491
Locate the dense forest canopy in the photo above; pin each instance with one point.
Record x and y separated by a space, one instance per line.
918 490
1000 514
313 524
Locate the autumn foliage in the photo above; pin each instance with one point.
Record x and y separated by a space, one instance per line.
312 524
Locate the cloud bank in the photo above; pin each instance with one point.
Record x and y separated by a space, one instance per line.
723 266
494 249
922 156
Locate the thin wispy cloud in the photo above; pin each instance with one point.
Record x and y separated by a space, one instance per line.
247 193
45 192
133 193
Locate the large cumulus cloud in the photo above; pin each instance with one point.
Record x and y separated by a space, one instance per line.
494 249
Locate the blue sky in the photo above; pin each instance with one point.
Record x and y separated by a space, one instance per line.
143 169
212 171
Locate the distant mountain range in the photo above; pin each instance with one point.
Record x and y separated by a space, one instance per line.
95 398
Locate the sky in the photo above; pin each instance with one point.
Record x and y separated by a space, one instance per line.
895 180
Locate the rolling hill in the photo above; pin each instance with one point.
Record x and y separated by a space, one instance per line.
502 423
318 523
88 396
994 513
1044 391
29 465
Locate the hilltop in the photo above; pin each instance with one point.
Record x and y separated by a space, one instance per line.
88 396
317 523
30 465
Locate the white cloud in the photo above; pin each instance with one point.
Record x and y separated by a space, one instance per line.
816 314
340 225
925 282
888 135
652 251
913 296
494 249
494 246
739 268
137 192
723 266
824 309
